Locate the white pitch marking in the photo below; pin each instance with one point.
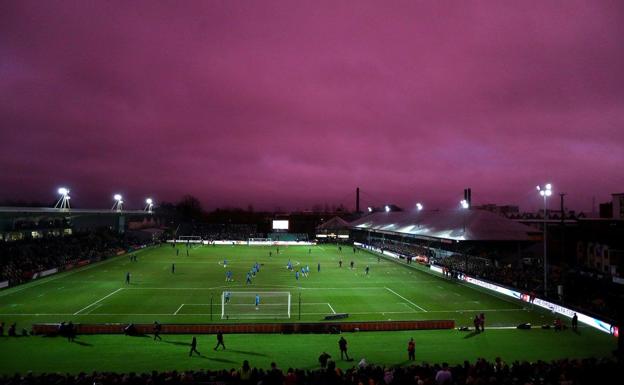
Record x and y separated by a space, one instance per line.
176 312
99 300
93 308
332 309
395 293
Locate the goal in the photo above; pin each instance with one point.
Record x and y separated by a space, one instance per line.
242 305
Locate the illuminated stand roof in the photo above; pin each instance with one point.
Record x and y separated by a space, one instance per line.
479 225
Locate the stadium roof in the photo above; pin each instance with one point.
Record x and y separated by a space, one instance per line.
336 223
447 225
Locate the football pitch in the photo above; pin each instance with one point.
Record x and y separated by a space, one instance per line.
192 293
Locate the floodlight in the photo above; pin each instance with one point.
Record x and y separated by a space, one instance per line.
149 205
387 208
118 205
464 204
419 206
63 202
370 209
545 193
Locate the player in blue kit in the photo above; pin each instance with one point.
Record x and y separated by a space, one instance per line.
248 279
257 301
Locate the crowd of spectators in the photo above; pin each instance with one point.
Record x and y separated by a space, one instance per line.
563 372
19 260
225 231
528 278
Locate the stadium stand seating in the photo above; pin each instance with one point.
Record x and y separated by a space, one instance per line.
288 237
20 260
588 297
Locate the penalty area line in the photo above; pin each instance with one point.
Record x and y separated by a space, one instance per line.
99 300
330 306
397 294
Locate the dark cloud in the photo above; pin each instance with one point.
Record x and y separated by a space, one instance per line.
289 104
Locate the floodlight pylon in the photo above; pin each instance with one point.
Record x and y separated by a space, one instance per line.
63 202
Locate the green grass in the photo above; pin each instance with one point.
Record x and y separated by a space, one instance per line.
391 291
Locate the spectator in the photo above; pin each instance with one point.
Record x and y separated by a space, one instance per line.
323 359
444 376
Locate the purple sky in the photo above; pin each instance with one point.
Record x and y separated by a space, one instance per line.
293 103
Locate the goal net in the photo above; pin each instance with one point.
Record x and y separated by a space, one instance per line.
242 304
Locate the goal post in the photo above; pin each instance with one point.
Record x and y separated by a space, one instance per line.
242 305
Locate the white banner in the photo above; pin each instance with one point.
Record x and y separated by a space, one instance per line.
4 284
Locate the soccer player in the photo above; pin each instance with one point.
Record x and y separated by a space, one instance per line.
367 269
127 278
477 323
309 251
248 279
257 301
253 271
307 270
270 253
342 344
340 248
340 263
411 350
173 268
289 265
352 265
225 263
297 275
194 347
177 252
575 322
318 268
482 321
157 329
219 340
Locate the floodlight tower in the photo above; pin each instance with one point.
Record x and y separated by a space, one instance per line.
149 205
63 202
545 192
464 205
118 205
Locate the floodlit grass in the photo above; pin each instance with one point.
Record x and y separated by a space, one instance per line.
98 293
